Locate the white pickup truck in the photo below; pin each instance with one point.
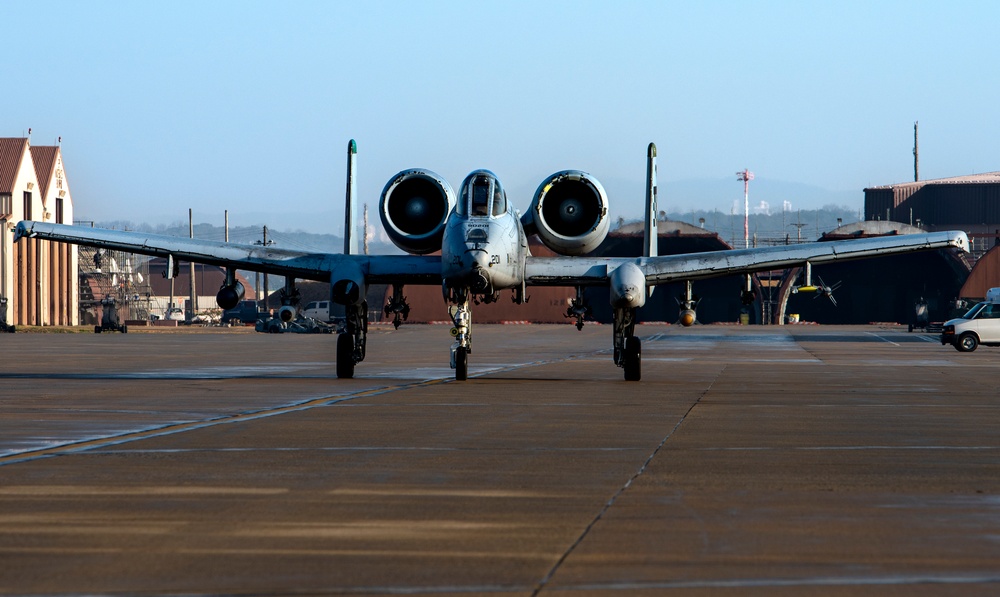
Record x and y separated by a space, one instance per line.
979 325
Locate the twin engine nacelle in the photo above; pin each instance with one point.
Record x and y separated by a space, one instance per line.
569 211
414 208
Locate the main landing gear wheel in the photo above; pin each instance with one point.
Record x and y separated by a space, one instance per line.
461 363
345 356
633 359
967 342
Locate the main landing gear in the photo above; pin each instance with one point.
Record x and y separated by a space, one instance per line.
352 341
628 348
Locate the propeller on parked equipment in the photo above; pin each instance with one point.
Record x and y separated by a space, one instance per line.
821 290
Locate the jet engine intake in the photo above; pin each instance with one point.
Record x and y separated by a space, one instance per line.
570 212
414 207
287 313
229 296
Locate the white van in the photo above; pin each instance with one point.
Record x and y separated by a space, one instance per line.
327 311
318 310
979 325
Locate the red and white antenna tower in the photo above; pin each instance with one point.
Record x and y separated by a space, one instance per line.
746 176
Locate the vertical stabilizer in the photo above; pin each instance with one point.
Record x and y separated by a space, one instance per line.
350 233
649 234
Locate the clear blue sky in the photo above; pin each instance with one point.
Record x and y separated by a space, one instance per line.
248 106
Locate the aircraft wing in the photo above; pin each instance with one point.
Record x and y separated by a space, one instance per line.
584 271
539 271
406 269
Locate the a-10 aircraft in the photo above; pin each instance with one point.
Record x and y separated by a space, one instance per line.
483 243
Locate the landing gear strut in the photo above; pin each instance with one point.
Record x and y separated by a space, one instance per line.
461 316
628 348
352 341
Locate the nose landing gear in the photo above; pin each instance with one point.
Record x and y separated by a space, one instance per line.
461 316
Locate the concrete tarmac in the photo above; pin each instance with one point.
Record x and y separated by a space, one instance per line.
749 460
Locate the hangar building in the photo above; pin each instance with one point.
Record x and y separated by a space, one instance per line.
37 278
878 289
970 203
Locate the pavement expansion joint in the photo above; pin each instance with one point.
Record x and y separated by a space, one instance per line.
621 490
114 440
131 436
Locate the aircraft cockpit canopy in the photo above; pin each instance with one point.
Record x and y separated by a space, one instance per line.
482 195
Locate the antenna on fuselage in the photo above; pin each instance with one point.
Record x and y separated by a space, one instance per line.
350 239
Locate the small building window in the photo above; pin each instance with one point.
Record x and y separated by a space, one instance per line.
27 205
59 210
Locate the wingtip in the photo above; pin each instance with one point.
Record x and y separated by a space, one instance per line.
21 231
962 241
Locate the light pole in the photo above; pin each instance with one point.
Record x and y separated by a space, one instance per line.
746 176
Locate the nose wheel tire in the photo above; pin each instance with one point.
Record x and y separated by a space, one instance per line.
461 363
633 359
345 356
